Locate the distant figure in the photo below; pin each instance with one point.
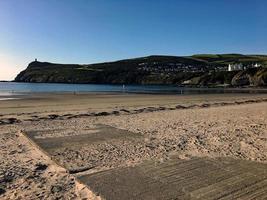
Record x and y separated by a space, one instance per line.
123 87
35 60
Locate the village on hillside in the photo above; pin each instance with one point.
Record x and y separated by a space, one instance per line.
180 67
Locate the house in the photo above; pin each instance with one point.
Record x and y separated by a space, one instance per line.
235 67
256 65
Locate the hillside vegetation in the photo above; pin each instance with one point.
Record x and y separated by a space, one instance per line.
196 70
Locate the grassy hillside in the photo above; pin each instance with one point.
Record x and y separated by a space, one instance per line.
225 59
195 70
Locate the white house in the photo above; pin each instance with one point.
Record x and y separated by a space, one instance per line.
235 67
256 65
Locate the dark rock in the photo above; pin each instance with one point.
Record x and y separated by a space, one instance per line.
9 121
205 105
8 177
56 189
53 116
83 115
191 106
124 110
179 107
251 77
162 108
102 114
40 167
151 146
2 191
115 112
241 79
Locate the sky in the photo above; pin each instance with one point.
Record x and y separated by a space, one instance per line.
90 31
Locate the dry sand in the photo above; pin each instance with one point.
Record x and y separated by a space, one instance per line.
27 173
234 131
237 130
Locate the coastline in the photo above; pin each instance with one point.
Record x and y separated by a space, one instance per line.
151 88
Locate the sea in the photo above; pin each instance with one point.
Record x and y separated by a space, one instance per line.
10 89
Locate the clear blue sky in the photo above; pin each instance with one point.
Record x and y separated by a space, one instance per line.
88 31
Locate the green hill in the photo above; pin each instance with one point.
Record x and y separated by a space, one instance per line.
224 59
197 70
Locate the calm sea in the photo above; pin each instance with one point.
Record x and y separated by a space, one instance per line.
8 89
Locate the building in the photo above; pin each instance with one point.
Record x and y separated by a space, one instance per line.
256 65
240 66
236 67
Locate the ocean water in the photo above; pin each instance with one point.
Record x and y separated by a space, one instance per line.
8 89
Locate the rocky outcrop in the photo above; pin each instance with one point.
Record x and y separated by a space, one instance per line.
250 77
241 79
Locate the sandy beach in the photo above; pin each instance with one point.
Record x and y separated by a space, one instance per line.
133 100
159 127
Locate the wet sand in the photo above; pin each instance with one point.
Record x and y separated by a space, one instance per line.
68 102
193 126
36 106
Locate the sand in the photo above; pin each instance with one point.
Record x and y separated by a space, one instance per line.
27 173
40 106
232 125
235 131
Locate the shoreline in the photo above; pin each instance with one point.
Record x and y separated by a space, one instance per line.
11 95
157 89
119 84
